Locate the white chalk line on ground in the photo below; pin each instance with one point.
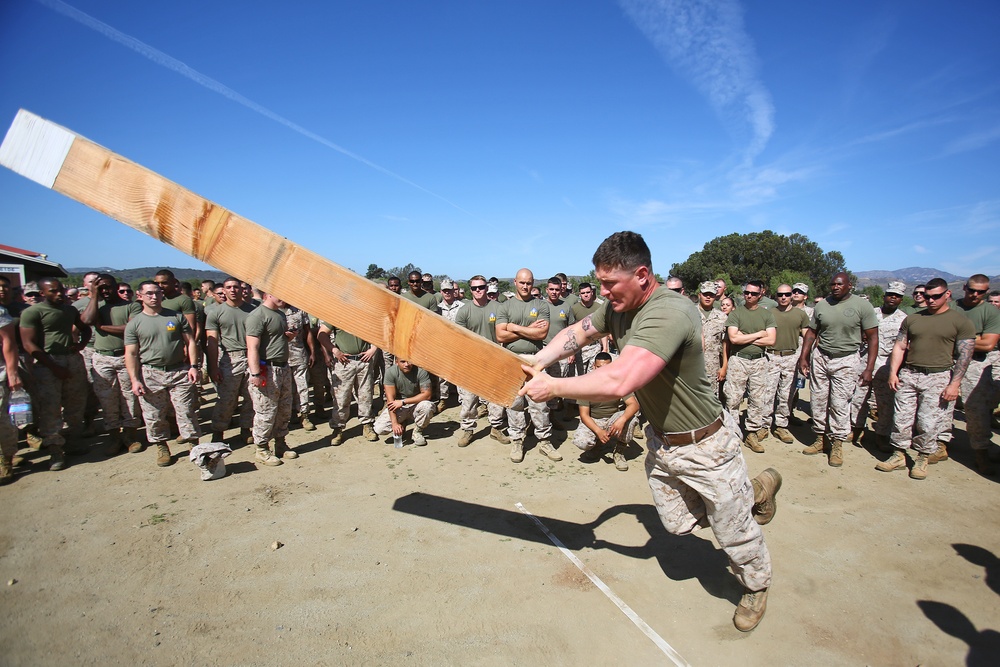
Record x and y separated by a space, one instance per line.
667 649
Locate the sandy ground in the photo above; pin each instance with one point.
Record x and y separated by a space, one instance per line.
419 556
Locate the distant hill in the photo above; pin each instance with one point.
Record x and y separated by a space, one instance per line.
128 275
912 275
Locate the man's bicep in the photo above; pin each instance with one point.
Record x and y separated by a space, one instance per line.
638 366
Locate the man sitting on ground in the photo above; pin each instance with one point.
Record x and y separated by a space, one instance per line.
407 399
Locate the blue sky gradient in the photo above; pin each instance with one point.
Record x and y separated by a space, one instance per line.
480 137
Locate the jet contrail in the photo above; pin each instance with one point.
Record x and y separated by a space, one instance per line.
161 58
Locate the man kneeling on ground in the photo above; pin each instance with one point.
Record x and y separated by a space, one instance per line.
603 422
407 399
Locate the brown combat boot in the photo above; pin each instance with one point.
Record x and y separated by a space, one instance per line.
307 424
816 447
545 447
836 453
163 458
919 469
265 457
131 439
751 609
6 471
282 449
499 436
762 434
369 433
941 454
618 456
464 438
783 434
856 436
765 492
246 436
752 443
895 462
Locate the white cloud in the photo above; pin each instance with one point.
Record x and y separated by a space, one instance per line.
919 248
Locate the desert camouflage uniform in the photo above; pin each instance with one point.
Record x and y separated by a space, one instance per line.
8 432
750 376
713 332
468 415
233 383
420 414
58 400
355 377
980 392
449 313
114 390
919 398
781 371
298 360
272 404
706 484
165 390
585 439
832 381
888 329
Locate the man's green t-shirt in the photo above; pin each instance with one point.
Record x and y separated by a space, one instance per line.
523 313
159 337
426 299
231 323
560 317
114 314
580 311
749 321
679 398
839 326
54 323
604 409
409 384
985 317
180 303
790 325
479 319
932 337
269 326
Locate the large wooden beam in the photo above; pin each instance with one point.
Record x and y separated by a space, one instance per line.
80 169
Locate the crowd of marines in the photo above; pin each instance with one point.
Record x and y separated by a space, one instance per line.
143 359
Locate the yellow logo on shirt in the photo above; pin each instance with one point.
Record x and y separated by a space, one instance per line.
534 312
562 314
493 317
171 325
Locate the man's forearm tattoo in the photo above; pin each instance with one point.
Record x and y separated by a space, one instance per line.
570 345
965 349
586 324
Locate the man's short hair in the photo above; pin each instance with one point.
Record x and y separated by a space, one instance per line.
478 277
623 250
414 273
391 278
107 276
5 280
756 283
562 277
937 282
148 282
585 285
50 280
995 293
919 286
230 279
602 356
978 279
555 280
165 272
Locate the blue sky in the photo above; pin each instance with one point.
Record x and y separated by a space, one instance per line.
480 137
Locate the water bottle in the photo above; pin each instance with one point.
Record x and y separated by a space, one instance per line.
800 382
397 441
263 373
20 409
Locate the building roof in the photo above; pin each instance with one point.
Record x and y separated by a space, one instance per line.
36 265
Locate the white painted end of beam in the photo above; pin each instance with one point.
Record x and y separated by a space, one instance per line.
35 148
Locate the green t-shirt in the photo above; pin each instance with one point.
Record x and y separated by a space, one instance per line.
55 323
560 317
426 299
160 337
231 323
409 384
269 326
580 311
767 303
479 319
346 342
679 398
181 303
932 337
81 305
114 314
523 313
985 318
749 321
790 325
571 300
839 326
604 409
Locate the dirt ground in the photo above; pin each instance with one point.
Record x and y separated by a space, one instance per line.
418 556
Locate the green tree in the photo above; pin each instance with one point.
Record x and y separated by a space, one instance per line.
875 294
375 272
759 256
787 277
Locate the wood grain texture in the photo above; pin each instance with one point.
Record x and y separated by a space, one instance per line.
150 203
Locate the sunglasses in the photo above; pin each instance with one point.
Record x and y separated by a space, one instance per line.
919 293
477 287
797 291
746 293
124 291
415 282
781 294
977 291
934 297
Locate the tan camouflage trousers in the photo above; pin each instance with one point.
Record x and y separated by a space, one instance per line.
712 365
517 420
469 414
884 399
980 394
166 390
586 439
272 405
831 388
8 432
780 389
300 378
357 379
114 390
233 384
920 413
748 376
56 401
420 414
93 403
706 484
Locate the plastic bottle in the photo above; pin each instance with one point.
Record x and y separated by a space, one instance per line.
397 440
20 409
800 382
263 373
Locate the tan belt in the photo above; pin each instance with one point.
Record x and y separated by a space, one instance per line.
689 437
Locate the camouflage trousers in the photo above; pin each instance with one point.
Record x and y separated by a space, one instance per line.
60 400
920 412
233 384
560 369
713 362
585 358
748 376
272 404
320 382
355 378
166 390
114 390
93 403
517 420
300 378
884 399
831 386
8 432
706 484
780 389
469 413
980 394
586 439
420 414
